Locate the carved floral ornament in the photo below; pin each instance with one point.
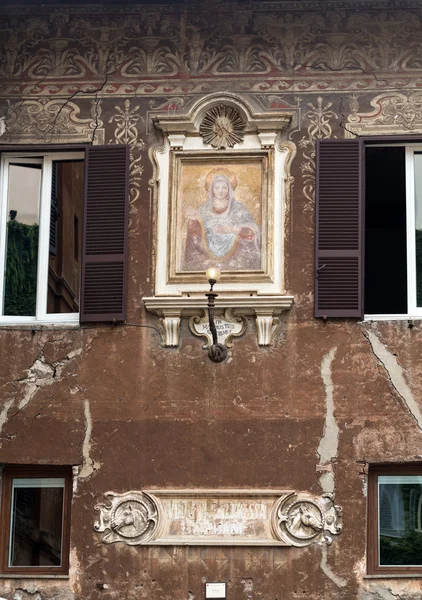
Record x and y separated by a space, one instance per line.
221 181
218 517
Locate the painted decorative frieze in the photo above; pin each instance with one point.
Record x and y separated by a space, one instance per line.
218 517
52 120
392 113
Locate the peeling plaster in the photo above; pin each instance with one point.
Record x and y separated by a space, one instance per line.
42 373
326 569
395 376
382 593
89 466
3 416
328 445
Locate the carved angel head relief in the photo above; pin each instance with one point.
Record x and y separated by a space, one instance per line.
222 126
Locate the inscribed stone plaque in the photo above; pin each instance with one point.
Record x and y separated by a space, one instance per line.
218 517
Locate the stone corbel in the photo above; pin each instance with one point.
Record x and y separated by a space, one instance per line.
170 328
266 326
176 140
267 138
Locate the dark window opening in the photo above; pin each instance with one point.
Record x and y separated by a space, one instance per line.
385 231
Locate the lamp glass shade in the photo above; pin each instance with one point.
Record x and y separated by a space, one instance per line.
213 274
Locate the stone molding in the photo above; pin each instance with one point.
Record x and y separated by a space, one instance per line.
218 518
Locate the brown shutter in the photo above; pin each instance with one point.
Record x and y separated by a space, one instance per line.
104 261
339 229
54 211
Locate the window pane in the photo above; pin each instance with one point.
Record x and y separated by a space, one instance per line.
23 201
418 217
385 231
65 237
36 527
400 522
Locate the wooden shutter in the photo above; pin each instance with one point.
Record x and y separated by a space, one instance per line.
54 211
104 251
339 229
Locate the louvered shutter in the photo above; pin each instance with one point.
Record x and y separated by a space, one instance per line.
104 260
339 229
54 211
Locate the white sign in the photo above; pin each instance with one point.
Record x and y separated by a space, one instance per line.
215 590
227 328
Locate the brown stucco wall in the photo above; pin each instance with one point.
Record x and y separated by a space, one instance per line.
135 415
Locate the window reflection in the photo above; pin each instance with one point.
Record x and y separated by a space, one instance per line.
23 202
36 528
65 236
400 535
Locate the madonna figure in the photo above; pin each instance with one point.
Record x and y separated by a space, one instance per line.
222 232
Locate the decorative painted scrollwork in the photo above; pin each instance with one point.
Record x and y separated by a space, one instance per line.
131 518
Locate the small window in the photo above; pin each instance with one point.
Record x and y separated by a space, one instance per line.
41 196
35 520
394 519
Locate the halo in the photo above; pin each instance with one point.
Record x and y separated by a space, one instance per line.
221 171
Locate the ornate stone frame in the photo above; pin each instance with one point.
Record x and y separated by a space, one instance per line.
261 296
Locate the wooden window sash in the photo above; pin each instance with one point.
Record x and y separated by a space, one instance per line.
13 472
373 567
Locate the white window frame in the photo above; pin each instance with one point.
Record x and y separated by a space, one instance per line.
42 317
413 311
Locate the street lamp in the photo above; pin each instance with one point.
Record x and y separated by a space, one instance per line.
217 352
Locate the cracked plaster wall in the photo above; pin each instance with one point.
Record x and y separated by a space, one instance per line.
305 414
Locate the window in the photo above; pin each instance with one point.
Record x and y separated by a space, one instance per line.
394 518
35 520
393 231
369 229
41 197
63 234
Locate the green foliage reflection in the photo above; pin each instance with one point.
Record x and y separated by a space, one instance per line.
21 269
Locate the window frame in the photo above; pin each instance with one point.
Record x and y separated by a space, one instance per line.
413 311
42 317
11 472
374 472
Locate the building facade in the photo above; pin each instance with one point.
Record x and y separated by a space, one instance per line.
142 144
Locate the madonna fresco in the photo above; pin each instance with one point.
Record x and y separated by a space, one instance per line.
224 227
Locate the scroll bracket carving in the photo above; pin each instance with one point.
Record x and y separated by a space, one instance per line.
266 326
170 328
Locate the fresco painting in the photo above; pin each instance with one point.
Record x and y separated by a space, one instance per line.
219 209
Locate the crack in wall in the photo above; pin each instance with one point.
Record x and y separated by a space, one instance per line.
326 569
328 445
89 465
395 376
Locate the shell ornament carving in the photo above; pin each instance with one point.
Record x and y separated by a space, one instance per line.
222 127
131 518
